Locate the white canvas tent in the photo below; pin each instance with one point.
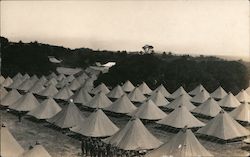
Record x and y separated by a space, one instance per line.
74 85
242 96
60 77
134 136
99 101
16 83
10 98
17 76
64 94
219 93
7 82
248 90
117 92
158 99
163 91
122 105
197 90
9 147
144 88
100 88
180 91
62 83
2 79
183 144
200 97
26 103
97 125
49 91
52 81
70 78
3 92
224 127
179 118
136 96
241 113
52 75
82 97
128 86
69 116
181 100
37 151
229 101
46 110
148 111
26 85
37 87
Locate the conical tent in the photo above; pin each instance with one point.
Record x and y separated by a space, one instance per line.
37 151
117 92
34 78
134 136
158 99
49 91
52 81
74 85
62 83
200 97
88 84
149 111
180 91
9 146
181 100
3 92
26 85
17 76
26 103
7 82
128 86
52 75
64 94
68 117
10 98
122 105
180 118
144 88
97 125
208 108
241 113
219 93
42 80
70 78
101 88
224 127
2 79
248 90
16 83
163 91
183 144
82 96
242 96
37 87
197 90
136 96
26 76
60 77
99 101
46 110
229 101
81 80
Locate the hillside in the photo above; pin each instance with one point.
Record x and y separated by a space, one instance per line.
168 69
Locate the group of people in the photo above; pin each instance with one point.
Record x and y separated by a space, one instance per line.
94 147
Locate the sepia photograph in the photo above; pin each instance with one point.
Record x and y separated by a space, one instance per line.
124 78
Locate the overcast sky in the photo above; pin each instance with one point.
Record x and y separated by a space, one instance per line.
185 26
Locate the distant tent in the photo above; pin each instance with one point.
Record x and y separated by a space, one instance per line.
97 125
26 76
52 81
49 91
158 99
7 82
88 84
183 144
181 100
3 92
136 96
9 146
163 91
180 91
37 87
68 117
16 83
197 90
34 78
144 88
37 151
209 108
100 88
134 136
2 79
42 80
52 75
149 111
219 93
241 113
17 76
26 103
242 96
100 100
117 92
179 118
60 77
74 85
224 127
229 101
82 78
46 110
82 97
122 105
200 97
248 90
26 85
70 78
64 94
62 83
10 98
128 86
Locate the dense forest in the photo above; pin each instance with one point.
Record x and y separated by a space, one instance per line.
154 68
